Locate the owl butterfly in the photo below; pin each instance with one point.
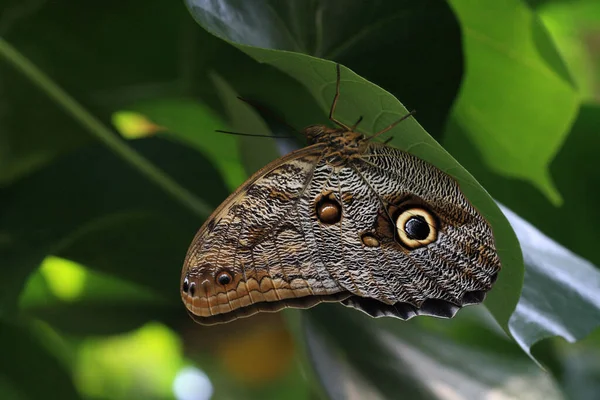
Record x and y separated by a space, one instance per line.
346 219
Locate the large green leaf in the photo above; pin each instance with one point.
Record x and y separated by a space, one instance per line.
379 109
513 123
574 27
556 283
410 48
424 359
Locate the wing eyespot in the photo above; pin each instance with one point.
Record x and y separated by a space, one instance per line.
369 239
328 209
416 227
224 278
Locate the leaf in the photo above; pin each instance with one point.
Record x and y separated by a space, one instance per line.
379 40
78 301
99 211
379 109
580 367
195 124
575 176
103 68
422 358
523 76
43 373
574 27
140 364
556 283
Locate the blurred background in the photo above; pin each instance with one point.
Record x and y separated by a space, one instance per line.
109 163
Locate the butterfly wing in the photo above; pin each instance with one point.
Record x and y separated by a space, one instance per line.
304 230
252 255
453 264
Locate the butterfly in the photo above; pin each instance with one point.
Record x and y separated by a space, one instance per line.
345 219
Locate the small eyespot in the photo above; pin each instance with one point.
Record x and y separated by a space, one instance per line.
329 210
224 278
369 239
416 227
192 289
186 285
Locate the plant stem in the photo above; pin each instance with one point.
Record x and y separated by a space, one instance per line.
104 134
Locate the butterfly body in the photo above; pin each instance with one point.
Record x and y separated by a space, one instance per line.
345 219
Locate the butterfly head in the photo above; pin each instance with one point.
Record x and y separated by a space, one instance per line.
340 144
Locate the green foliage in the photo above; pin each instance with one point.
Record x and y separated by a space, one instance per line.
95 220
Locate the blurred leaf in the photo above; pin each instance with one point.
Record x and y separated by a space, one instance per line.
581 367
103 68
59 280
99 211
134 125
556 283
255 152
509 53
195 124
575 175
103 304
138 365
415 46
250 358
575 28
29 368
392 359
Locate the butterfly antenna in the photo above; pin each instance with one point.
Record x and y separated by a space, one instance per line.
335 100
254 135
384 130
269 112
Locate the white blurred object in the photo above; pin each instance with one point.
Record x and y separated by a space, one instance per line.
192 384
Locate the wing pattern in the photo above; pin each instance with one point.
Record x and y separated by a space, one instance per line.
267 247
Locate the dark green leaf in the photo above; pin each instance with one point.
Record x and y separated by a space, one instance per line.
28 368
96 54
94 208
411 48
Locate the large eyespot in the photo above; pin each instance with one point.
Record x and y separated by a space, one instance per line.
186 285
329 210
416 227
224 278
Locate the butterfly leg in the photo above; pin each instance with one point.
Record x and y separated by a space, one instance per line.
353 127
335 99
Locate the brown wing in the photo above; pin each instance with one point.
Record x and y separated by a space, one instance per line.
453 263
302 231
252 255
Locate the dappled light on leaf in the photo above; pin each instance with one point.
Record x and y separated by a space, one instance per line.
134 125
141 364
66 279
